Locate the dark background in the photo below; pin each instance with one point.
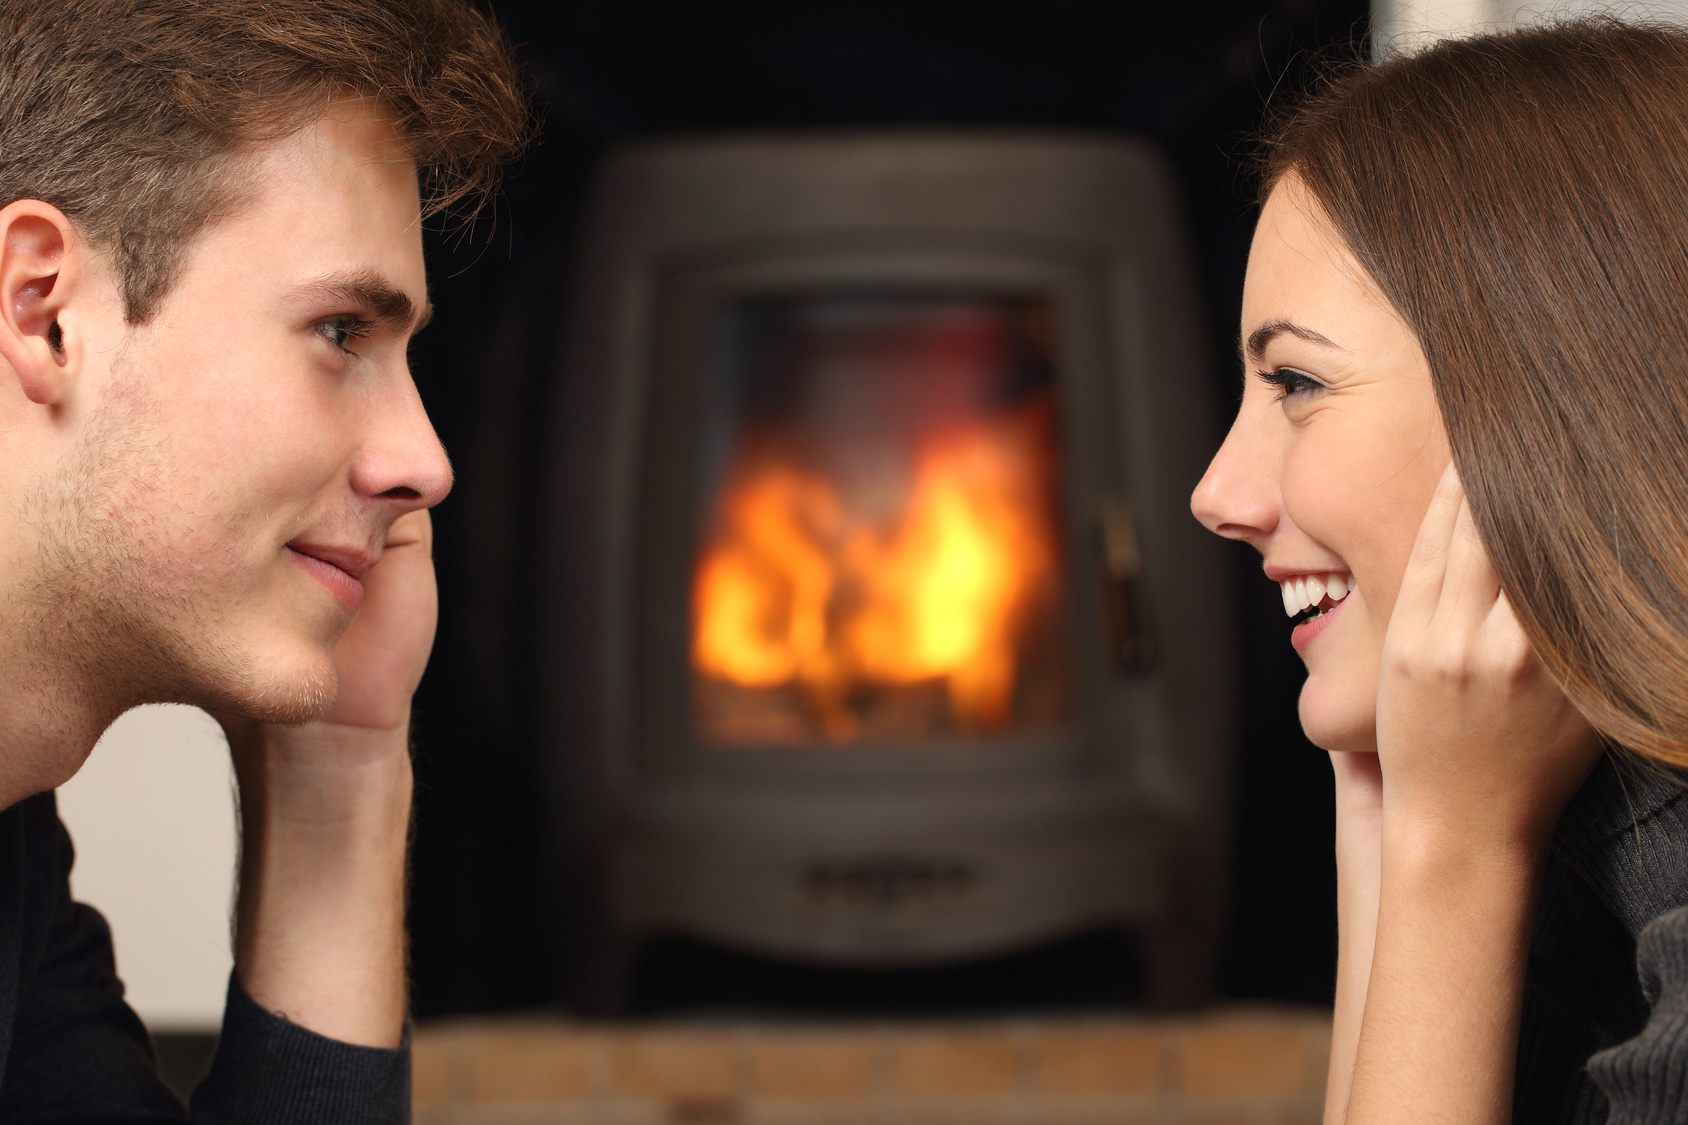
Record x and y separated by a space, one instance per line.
1196 77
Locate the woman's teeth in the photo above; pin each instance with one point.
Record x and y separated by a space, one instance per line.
1307 590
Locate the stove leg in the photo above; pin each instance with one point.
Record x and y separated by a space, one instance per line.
1178 968
601 977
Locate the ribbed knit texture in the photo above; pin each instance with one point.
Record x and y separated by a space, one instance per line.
1647 1077
269 1070
1618 871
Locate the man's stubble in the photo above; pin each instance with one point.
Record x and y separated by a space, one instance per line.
130 616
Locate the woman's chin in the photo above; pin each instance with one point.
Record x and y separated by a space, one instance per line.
1339 716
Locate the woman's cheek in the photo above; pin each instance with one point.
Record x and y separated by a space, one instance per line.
1380 561
1314 495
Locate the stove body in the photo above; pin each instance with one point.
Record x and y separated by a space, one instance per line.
880 630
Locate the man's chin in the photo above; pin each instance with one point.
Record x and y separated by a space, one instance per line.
288 700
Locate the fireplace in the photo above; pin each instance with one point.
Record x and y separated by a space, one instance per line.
882 560
880 633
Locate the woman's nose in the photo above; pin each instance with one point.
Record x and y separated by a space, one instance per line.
1238 495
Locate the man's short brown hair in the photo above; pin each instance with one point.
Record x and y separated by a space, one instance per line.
133 116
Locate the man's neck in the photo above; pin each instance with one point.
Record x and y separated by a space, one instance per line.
54 703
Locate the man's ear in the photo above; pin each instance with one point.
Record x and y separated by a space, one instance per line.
41 265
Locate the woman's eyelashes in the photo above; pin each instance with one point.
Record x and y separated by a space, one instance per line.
340 330
1290 382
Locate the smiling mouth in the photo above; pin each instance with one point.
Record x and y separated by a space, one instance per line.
1307 596
334 569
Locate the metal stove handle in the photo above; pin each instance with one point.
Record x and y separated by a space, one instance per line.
1124 603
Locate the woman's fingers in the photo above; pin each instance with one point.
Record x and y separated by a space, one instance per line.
1421 585
1469 585
1505 642
1449 588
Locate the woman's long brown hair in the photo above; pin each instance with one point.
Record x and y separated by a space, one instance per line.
1522 200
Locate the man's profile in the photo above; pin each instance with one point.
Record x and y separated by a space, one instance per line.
214 480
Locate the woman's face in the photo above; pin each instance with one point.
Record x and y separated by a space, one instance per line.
1331 462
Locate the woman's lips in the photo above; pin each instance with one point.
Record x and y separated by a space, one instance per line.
348 591
1305 633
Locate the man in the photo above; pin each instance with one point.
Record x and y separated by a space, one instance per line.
214 481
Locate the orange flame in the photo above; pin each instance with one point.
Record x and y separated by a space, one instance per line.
793 591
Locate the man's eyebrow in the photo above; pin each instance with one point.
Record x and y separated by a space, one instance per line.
391 305
1255 346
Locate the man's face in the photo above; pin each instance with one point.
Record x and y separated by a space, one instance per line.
251 445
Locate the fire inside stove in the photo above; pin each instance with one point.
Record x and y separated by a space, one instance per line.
882 560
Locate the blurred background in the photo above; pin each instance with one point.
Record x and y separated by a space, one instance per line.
1185 89
1195 79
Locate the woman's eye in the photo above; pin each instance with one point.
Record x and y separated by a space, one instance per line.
1290 382
340 330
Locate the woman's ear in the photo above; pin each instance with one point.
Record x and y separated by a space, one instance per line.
41 267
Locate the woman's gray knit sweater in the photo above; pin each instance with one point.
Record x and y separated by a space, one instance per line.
1605 1029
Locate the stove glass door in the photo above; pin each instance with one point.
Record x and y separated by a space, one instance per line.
881 560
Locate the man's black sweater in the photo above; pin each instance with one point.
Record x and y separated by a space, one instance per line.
72 1051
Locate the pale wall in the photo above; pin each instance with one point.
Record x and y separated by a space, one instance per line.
152 818
1408 24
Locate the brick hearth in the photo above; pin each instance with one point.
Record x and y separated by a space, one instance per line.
1260 1066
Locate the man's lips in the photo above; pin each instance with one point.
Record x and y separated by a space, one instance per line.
355 561
338 568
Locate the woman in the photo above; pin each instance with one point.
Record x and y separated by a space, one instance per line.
1463 452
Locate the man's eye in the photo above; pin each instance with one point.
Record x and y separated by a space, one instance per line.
1289 381
341 330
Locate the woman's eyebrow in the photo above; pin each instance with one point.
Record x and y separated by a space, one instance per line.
1255 346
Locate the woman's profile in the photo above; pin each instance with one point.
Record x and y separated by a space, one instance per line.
1462 451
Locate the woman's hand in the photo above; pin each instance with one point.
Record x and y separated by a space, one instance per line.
1475 739
1479 752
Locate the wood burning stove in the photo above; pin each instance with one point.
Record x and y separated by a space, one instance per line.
880 632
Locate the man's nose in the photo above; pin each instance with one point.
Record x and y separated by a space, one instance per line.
402 463
1238 495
